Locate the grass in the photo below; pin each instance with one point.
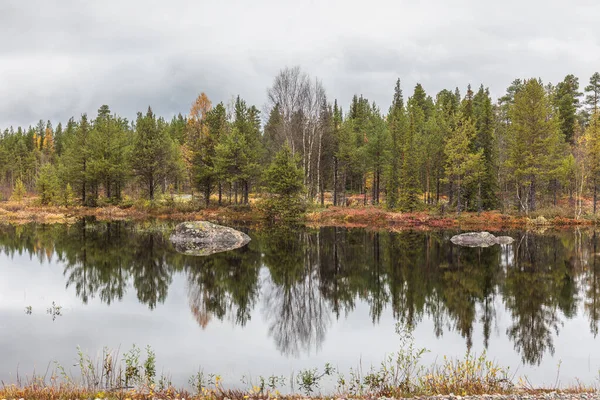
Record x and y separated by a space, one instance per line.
133 376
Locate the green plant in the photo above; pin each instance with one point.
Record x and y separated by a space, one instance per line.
150 366
310 379
164 382
132 366
68 196
19 191
198 382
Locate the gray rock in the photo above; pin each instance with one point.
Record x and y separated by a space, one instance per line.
480 239
202 238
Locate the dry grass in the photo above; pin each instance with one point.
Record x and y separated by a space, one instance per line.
132 375
359 216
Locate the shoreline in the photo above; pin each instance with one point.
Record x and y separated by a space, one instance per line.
347 217
369 217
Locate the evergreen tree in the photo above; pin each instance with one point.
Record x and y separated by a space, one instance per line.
409 178
153 153
567 102
109 148
397 127
216 120
273 134
463 166
591 146
19 191
377 150
283 179
484 140
47 185
592 99
74 164
534 139
231 160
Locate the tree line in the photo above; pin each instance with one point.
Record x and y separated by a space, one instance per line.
536 146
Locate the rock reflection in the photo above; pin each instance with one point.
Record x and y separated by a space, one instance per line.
301 281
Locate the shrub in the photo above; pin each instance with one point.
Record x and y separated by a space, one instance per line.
47 184
19 191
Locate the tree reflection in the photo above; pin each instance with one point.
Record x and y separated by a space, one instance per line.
223 284
296 310
305 279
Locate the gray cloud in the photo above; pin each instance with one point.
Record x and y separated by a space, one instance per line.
62 58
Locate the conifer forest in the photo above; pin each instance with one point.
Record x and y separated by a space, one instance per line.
536 146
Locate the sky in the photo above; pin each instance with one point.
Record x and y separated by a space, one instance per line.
63 58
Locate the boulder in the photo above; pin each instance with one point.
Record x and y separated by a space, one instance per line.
480 239
202 238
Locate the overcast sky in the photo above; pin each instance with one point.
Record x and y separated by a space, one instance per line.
64 58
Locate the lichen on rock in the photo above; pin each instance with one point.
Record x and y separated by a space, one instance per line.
480 239
203 238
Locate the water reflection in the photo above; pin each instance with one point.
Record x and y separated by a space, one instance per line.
303 281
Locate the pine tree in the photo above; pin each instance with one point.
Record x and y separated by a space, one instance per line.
485 141
409 195
153 156
216 121
591 147
231 159
593 98
109 153
533 143
397 127
377 149
567 102
273 134
463 166
74 163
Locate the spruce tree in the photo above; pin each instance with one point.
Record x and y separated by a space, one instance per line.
283 180
47 185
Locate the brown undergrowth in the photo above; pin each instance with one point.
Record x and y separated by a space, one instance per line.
29 210
376 217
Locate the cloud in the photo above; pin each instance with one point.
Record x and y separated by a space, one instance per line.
62 58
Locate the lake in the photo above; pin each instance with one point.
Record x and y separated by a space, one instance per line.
296 299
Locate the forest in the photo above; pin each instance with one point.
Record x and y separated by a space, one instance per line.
535 147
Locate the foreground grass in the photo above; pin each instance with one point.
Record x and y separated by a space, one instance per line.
401 374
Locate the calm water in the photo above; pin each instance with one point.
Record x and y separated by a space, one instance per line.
297 299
